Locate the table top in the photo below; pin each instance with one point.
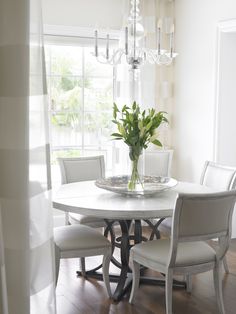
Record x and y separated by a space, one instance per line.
87 199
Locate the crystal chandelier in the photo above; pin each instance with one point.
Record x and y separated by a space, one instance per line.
132 52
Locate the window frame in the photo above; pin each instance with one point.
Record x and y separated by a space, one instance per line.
82 37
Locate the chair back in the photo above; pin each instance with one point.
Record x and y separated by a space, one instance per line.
217 176
158 162
199 217
81 168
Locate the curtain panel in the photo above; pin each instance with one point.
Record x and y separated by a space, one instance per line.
26 235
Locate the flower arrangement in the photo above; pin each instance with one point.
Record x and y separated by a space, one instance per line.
137 129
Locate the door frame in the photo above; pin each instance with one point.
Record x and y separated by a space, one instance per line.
226 26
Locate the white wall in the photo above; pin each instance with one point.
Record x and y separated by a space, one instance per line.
193 111
84 13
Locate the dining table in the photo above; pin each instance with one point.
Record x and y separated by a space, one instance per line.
87 199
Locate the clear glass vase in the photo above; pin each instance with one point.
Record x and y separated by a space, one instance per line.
136 178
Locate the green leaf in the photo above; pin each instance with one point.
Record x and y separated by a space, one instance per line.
124 108
152 112
115 110
116 134
156 142
153 137
131 117
121 129
140 124
142 131
149 125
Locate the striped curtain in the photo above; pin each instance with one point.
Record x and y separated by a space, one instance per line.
26 236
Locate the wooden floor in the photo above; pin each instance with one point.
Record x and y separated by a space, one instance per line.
80 296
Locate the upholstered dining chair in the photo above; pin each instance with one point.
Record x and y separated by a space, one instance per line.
218 176
158 162
221 177
196 218
215 176
82 169
82 241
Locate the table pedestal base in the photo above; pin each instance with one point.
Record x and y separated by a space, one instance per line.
124 279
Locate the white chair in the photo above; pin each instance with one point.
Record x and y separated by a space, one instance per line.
220 177
158 162
196 218
82 241
216 176
82 169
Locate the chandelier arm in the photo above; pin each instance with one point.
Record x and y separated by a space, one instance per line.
116 58
151 56
113 60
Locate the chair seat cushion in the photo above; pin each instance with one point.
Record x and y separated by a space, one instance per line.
91 221
79 237
188 253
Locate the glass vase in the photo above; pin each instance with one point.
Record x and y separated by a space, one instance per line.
136 178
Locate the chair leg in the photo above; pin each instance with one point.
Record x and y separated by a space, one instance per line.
57 262
67 219
105 270
224 260
135 284
226 267
82 266
218 287
189 283
169 287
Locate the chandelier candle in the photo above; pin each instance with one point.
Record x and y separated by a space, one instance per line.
159 25
172 30
107 48
126 41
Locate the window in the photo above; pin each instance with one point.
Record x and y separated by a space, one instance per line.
80 104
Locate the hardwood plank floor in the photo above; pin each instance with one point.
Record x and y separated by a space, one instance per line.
80 296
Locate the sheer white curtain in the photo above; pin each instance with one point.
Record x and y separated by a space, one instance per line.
26 237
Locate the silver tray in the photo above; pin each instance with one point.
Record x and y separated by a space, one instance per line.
151 185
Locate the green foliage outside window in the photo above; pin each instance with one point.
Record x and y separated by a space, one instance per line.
66 97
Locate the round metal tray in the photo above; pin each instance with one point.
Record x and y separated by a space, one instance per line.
151 185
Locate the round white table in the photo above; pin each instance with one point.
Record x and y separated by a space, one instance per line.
87 199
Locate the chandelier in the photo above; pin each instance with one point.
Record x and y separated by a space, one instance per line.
132 52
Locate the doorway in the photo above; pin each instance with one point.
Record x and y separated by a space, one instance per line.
225 126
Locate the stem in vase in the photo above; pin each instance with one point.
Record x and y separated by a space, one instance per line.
135 176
